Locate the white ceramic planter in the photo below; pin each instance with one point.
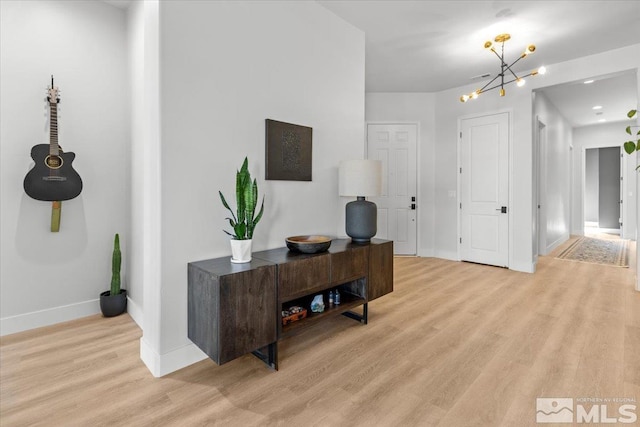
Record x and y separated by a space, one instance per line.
240 251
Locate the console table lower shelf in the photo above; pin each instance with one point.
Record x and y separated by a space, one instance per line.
235 309
269 353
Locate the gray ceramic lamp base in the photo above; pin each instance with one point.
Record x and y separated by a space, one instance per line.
361 220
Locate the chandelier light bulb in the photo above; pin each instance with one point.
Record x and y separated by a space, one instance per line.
520 82
464 98
542 70
474 94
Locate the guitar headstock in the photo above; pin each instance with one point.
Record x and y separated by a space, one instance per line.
53 93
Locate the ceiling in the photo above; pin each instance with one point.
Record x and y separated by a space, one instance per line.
616 94
429 46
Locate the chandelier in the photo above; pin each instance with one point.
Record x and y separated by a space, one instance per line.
505 70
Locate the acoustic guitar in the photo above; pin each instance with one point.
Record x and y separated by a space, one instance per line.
53 177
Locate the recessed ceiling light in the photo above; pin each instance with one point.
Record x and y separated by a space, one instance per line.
588 81
602 120
597 107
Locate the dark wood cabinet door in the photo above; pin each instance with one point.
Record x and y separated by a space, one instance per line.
247 312
232 309
349 265
303 276
380 269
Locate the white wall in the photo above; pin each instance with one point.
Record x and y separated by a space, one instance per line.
603 135
417 108
591 185
519 102
49 277
225 67
556 195
136 43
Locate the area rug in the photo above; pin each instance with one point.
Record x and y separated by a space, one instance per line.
597 251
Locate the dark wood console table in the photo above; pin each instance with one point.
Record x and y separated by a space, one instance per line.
235 309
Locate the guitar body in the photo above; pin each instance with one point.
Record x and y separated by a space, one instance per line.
53 177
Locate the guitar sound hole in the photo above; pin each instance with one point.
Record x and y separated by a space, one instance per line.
53 162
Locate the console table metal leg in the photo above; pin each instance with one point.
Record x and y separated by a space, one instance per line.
359 317
268 354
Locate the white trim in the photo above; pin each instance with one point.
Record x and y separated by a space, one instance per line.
449 255
623 186
50 316
524 267
163 364
65 313
136 312
557 243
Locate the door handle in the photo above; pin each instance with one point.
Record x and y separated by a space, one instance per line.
503 209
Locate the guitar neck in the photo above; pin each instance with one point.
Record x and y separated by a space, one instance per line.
54 148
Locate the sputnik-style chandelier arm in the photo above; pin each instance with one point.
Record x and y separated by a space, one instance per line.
504 68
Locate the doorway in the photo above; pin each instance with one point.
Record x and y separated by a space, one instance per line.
395 145
540 184
602 190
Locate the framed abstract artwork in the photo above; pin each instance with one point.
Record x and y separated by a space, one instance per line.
288 151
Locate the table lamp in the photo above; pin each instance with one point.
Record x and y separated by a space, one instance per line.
360 179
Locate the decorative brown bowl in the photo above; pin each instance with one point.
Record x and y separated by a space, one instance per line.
308 244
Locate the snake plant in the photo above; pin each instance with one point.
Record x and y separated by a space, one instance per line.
244 221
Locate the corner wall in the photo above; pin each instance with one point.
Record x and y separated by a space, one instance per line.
47 277
556 196
519 101
225 67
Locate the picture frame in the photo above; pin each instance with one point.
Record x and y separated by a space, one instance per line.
288 151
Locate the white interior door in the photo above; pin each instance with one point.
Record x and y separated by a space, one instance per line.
484 190
542 188
396 146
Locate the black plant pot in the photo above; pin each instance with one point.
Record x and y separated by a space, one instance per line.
113 305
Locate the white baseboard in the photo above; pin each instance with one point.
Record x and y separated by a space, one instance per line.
51 316
451 256
65 313
136 313
557 243
163 364
524 267
609 230
426 253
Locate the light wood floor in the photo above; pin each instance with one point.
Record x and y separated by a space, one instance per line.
455 344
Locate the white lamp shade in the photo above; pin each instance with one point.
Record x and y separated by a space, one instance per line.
360 178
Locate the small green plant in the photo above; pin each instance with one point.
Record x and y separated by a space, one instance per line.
632 146
116 261
244 221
